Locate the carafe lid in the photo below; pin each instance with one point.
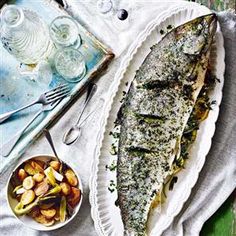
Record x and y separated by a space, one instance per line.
12 16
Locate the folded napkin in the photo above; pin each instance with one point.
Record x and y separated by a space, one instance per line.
216 180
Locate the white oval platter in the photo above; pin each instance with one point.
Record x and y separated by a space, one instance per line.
106 215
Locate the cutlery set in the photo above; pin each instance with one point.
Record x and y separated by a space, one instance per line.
49 101
46 98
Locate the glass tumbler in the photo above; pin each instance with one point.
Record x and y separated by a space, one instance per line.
70 64
64 32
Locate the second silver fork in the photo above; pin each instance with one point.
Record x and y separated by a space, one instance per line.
9 145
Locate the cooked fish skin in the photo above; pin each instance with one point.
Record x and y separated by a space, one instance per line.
155 111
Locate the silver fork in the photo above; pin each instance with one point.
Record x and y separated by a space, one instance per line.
45 98
9 145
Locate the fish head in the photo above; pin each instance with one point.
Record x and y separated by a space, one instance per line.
198 31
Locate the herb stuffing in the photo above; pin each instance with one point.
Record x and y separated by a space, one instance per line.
200 112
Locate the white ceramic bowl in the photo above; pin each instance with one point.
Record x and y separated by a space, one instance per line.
28 220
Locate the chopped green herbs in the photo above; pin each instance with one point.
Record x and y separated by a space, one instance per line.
111 167
162 31
112 186
113 149
169 27
122 100
115 135
111 189
200 112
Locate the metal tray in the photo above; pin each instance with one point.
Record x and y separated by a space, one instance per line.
16 91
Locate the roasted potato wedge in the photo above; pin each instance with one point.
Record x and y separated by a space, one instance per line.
29 169
27 197
48 213
34 212
74 197
32 168
65 188
71 178
28 183
22 174
43 220
55 165
39 177
41 163
37 165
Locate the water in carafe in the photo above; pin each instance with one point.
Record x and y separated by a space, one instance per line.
25 35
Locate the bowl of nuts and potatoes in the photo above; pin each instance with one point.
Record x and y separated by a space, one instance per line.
42 195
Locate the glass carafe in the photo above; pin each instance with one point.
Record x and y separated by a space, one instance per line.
25 35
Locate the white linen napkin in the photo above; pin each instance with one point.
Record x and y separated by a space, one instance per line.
217 179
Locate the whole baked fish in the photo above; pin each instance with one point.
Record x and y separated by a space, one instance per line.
154 115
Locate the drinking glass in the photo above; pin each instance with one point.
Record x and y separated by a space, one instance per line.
70 64
64 32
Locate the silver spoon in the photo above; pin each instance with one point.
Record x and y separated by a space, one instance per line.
74 132
49 139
